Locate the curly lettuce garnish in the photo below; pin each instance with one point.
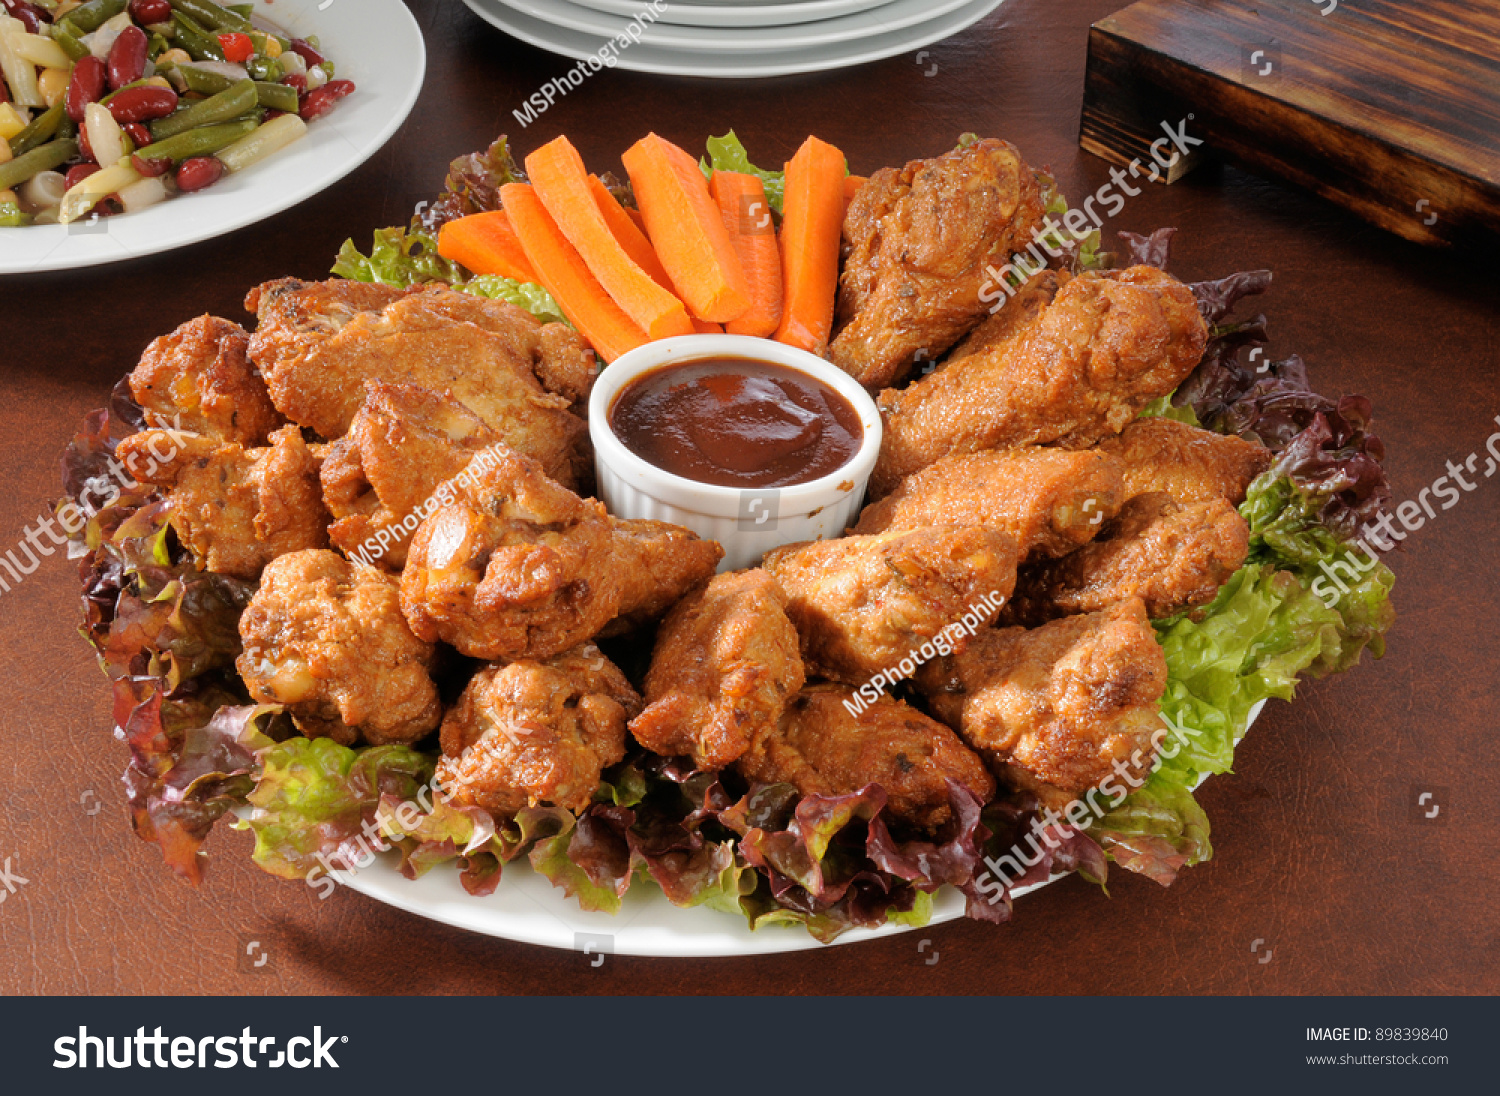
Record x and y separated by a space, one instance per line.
727 153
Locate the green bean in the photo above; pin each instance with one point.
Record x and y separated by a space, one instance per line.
64 37
41 128
197 41
204 141
280 97
266 69
212 15
223 107
245 10
17 171
94 14
156 46
203 81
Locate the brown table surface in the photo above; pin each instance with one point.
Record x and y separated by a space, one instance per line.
1320 852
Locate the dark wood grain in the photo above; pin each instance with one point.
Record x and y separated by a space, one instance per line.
1317 851
1390 108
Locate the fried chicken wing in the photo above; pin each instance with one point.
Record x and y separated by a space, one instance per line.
534 733
724 667
514 566
1083 367
863 604
404 443
1058 709
658 563
326 638
920 240
236 508
318 343
1187 462
822 748
199 379
1172 557
1050 501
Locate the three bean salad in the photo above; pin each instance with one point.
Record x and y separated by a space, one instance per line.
111 106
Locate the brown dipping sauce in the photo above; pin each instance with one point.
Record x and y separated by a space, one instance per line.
736 422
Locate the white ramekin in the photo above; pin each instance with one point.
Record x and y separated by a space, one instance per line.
748 523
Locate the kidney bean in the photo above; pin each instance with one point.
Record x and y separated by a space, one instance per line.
304 50
29 14
150 168
148 12
86 86
198 173
298 81
127 57
321 100
138 133
142 104
78 173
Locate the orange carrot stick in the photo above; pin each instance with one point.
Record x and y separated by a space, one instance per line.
708 327
747 216
811 229
567 277
852 186
562 184
486 243
629 234
687 230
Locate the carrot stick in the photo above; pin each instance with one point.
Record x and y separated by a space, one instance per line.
486 243
747 216
852 186
708 327
629 234
687 230
567 277
562 184
811 230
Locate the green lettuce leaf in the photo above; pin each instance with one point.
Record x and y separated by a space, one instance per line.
526 295
1156 831
726 153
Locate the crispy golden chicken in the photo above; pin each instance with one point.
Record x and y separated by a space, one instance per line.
237 509
920 242
658 564
1172 557
514 566
724 667
319 342
1057 709
822 748
405 442
1188 463
863 604
326 638
1050 501
1003 328
198 379
1107 345
534 733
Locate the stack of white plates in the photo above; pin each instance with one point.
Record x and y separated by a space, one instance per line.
732 38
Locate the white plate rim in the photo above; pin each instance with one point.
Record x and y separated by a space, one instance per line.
729 65
889 18
212 213
736 14
559 923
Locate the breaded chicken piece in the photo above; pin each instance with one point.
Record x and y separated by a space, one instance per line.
405 442
1054 709
1172 557
920 241
1013 319
1189 463
1050 501
318 343
326 638
1106 346
198 379
724 667
658 563
533 733
863 604
515 566
821 748
237 509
